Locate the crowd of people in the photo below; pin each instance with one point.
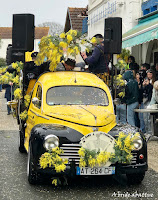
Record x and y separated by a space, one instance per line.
141 91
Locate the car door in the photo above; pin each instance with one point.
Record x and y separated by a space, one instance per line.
33 113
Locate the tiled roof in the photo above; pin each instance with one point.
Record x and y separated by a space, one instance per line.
74 19
6 32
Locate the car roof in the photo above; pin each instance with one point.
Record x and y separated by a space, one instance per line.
51 79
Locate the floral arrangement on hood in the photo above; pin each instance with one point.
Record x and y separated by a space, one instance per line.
60 47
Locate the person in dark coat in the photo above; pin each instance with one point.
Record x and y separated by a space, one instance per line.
131 96
156 68
98 62
8 95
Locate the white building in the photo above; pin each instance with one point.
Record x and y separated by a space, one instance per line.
6 38
98 10
139 25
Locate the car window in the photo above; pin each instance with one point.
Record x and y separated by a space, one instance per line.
39 96
80 95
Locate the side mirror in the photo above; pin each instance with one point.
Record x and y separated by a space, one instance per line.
35 101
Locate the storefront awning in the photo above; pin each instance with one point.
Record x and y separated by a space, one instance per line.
145 31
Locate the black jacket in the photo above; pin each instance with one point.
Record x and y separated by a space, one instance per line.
148 91
7 95
98 61
131 89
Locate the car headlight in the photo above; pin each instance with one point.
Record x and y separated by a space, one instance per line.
51 141
138 144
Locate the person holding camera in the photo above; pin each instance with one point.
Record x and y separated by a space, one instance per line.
151 76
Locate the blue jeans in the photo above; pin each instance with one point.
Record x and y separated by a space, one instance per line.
121 113
141 118
147 120
130 113
0 87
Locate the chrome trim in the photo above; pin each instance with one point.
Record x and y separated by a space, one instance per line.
39 115
71 152
71 145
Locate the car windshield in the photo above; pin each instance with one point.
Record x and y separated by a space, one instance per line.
76 95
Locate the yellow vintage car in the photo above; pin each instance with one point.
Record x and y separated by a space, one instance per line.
65 108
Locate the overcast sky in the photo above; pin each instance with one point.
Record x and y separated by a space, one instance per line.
44 10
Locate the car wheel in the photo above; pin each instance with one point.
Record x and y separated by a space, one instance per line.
31 173
21 142
135 178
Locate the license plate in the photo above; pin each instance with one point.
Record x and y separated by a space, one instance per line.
95 171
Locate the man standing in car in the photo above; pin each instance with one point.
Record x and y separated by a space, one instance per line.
98 62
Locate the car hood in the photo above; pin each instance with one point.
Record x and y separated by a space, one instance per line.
81 114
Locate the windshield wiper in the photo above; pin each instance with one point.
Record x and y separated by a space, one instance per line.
54 104
101 104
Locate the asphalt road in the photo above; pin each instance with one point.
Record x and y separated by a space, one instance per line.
14 184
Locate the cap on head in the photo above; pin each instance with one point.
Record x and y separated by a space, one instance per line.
156 85
70 62
98 36
34 54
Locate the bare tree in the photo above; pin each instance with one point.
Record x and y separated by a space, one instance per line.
54 28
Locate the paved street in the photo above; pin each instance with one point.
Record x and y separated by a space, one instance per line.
14 184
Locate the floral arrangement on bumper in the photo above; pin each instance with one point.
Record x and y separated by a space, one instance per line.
124 145
53 160
123 148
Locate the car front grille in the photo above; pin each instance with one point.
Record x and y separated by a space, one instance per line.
71 153
134 159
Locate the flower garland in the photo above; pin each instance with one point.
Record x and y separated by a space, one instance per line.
15 79
53 160
24 115
2 69
92 158
123 148
119 84
18 66
18 94
125 53
6 78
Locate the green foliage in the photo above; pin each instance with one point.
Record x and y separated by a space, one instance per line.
125 53
2 62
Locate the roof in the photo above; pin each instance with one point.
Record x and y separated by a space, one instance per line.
51 79
74 19
6 32
145 31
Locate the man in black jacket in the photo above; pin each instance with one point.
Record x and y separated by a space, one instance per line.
98 62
